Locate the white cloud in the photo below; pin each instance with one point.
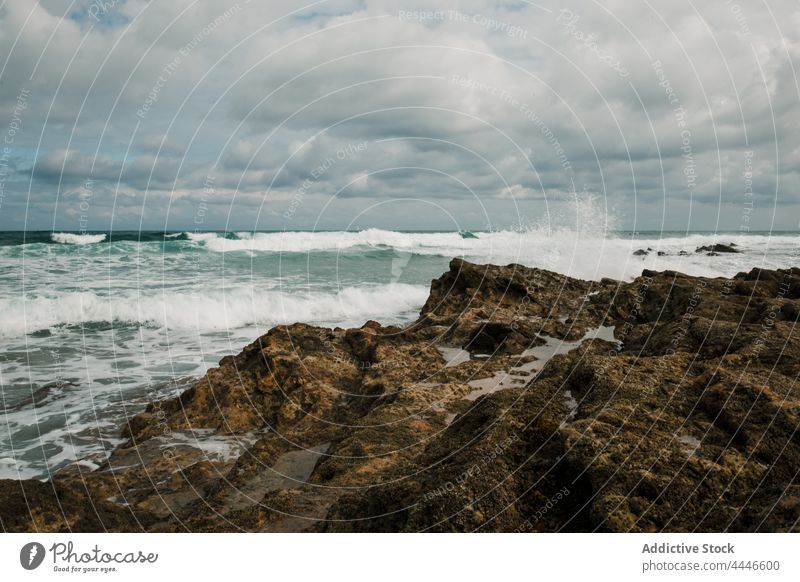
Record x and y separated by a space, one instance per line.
453 107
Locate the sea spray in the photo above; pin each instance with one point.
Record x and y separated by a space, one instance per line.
209 309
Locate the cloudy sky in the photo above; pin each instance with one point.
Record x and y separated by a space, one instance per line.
204 114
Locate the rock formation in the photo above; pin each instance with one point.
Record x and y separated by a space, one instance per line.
718 248
520 400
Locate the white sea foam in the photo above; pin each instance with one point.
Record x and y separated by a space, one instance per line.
212 309
178 308
202 236
587 254
68 238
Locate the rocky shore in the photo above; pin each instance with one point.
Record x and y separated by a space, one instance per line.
520 400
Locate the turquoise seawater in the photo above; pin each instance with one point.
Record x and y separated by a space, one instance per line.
115 318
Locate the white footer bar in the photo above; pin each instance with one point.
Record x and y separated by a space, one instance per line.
402 557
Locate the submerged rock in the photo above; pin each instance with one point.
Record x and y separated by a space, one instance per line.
520 400
715 249
44 393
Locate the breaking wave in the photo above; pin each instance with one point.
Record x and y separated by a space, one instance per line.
587 255
212 310
68 238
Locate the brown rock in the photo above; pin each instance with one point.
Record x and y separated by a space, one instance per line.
684 418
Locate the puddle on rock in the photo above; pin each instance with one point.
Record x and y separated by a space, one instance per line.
572 406
523 373
293 469
290 471
453 356
215 447
187 445
690 444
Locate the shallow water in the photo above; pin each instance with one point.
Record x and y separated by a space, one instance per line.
537 358
290 471
453 356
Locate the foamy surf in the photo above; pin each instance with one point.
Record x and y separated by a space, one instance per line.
586 255
68 238
121 315
210 309
586 252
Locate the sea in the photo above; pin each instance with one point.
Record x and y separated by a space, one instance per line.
94 325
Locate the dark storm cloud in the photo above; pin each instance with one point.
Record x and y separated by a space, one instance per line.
661 107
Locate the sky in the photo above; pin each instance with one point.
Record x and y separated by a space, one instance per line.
471 115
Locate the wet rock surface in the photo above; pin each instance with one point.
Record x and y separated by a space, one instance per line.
714 250
38 396
718 248
668 403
